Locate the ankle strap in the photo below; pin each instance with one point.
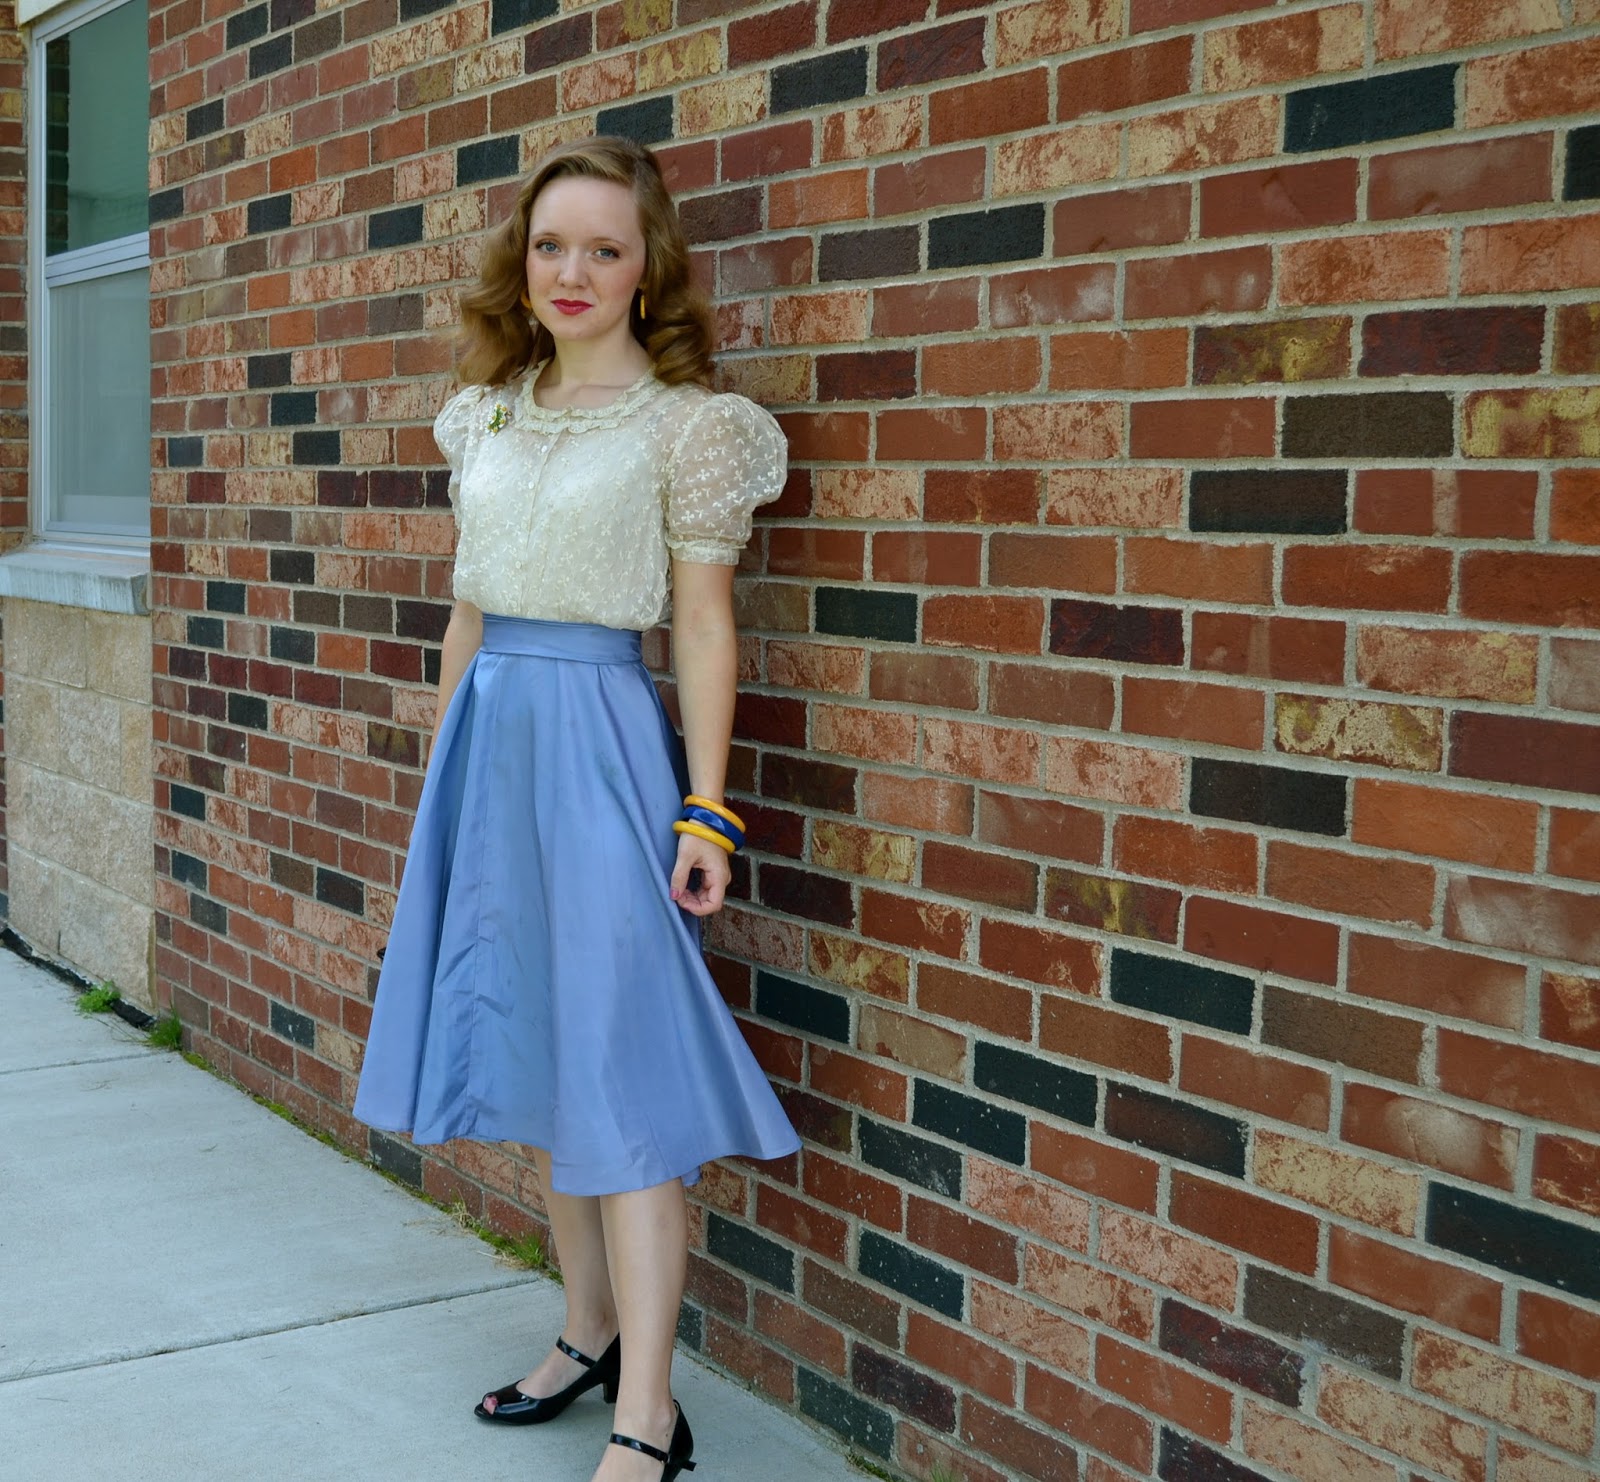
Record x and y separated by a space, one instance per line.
651 1451
572 1353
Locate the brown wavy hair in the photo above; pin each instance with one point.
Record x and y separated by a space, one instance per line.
499 339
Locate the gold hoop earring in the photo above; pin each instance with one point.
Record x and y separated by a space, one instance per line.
525 301
642 310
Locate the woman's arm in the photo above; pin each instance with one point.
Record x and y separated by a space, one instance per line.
462 638
705 656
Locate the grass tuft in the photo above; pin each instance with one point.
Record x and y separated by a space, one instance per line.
871 1468
101 1000
166 1033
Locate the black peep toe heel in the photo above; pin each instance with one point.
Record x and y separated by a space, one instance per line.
679 1455
512 1407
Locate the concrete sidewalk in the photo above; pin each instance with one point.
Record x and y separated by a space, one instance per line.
191 1288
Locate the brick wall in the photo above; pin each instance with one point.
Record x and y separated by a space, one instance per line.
1170 720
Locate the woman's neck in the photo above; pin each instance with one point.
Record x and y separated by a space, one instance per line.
613 366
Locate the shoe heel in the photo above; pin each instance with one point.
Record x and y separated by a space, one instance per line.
608 1390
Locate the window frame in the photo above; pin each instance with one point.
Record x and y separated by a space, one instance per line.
102 259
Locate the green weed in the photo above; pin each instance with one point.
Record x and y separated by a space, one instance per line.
166 1033
871 1468
100 1000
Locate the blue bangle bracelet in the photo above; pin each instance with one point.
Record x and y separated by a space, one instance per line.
715 821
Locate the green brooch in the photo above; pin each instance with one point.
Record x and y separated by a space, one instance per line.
499 418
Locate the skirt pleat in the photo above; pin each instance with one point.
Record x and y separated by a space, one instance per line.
540 985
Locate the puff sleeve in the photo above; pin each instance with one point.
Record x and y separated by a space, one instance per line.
730 458
452 429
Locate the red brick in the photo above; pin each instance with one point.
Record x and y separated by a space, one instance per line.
926 558
1479 176
992 624
1531 256
1134 498
1147 216
1055 695
1136 360
1056 563
835 554
1017 1446
1089 1417
951 434
849 1078
982 496
927 803
1498 832
839 195
1418 1131
1468 665
1126 78
872 1199
1536 82
1306 649
982 367
1569 1010
1062 1344
1227 282
1409 1282
1567 1172
1267 940
1533 1083
1105 1036
1244 1221
797 1330
1534 919
928 182
929 926
1167 849
967 1359
960 1238
1388 578
1012 1198
1531 590
1575 506
1100 1169
1257 1082
1554 1332
1377 887
979 110
1437 979
1577 350
970 999
943 306
1219 715
1041 826
801 1223
1152 1383
1279 198
1477 503
1067 295
1354 270
944 681
1209 428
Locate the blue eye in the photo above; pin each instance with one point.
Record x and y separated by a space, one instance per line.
606 252
542 246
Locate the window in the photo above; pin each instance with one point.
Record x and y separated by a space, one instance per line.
89 225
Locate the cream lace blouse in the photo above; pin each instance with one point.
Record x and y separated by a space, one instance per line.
570 515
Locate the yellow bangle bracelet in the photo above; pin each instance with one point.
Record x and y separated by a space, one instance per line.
692 801
700 831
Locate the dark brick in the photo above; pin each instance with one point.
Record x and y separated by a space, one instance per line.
810 1010
205 632
649 122
810 783
1270 501
1279 1303
317 38
855 1306
208 914
1393 106
968 1119
1278 797
817 1120
1183 990
931 1165
292 873
245 26
931 54
249 711
341 892
315 449
798 892
395 314
833 77
1183 1459
1525 752
871 375
290 1024
919 1277
887 252
507 15
561 41
286 13
1583 164
863 612
185 452
394 228
268 214
166 204
203 119
424 620
1453 342
187 870
486 159
265 371
1259 1364
1174 1127
1123 634
411 10
753 1254
293 408
722 216
293 644
1035 1082
396 488
848 1414
917 1395
364 614
293 567
691 1327
271 56
395 1159
1005 234
1131 908
1523 1242
1384 424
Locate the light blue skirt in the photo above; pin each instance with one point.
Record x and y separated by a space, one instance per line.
540 986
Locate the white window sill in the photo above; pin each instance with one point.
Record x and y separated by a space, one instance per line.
104 581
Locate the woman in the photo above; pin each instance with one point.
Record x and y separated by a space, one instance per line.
543 981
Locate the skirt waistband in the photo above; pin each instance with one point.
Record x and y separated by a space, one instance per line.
588 643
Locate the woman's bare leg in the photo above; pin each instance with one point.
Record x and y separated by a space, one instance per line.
591 1312
647 1245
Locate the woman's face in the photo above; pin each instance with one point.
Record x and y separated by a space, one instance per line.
586 257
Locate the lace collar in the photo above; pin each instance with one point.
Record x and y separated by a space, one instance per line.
614 413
